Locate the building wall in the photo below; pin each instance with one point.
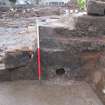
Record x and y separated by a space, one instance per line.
35 2
28 2
4 3
54 2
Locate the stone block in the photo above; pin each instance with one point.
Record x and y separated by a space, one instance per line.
96 7
84 25
16 59
77 66
73 44
28 72
63 48
92 25
5 75
50 57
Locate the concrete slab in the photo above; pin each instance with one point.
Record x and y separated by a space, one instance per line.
55 92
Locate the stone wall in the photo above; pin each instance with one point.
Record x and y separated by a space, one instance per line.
17 45
72 49
75 51
96 7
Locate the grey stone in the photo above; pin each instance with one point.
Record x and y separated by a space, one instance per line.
24 73
79 44
17 43
84 25
61 48
64 58
89 24
96 7
16 59
5 75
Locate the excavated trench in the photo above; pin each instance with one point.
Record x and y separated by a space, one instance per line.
72 63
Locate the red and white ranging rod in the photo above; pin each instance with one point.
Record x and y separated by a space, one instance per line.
38 52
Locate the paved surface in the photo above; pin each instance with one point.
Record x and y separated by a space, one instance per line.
47 93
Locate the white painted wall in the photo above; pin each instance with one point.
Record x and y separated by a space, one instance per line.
55 1
7 3
46 2
24 1
4 3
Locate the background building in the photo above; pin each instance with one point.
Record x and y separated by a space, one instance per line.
36 2
4 3
54 2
